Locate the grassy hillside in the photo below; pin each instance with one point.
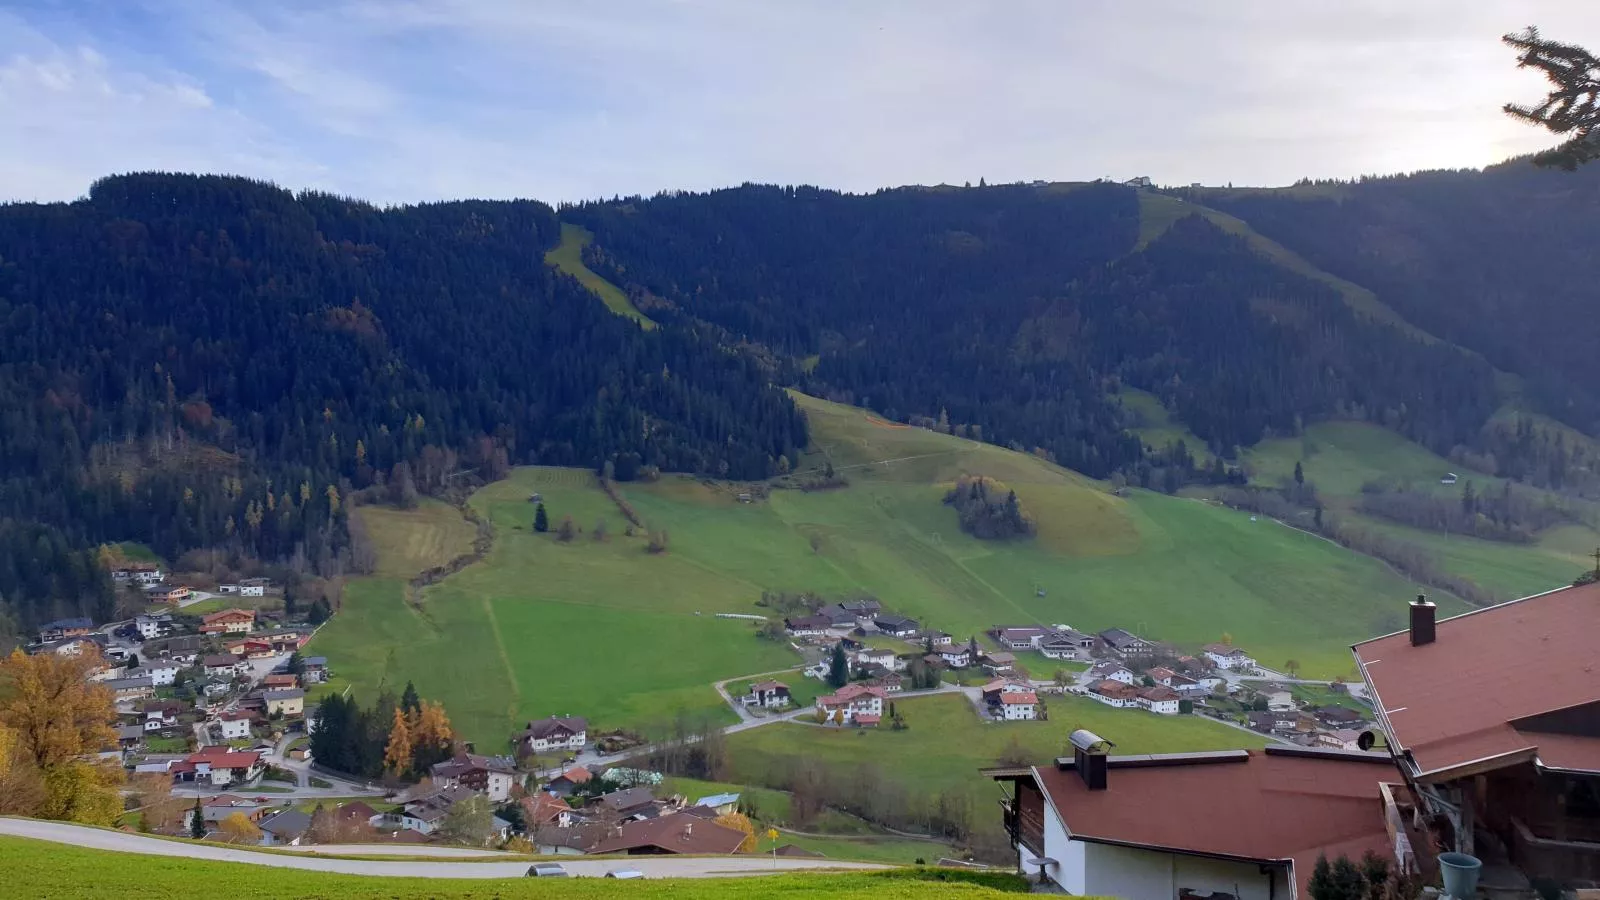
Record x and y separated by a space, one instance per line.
1155 425
37 869
930 756
607 630
411 540
568 258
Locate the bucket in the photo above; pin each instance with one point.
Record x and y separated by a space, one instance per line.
1460 873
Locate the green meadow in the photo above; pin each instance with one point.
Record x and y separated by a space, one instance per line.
567 257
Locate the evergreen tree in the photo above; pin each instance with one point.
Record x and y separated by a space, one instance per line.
838 667
541 519
197 821
410 702
1299 475
1572 108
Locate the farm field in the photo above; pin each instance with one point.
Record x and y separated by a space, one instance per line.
510 638
927 756
567 257
411 540
41 869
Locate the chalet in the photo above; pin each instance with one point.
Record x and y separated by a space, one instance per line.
130 737
215 810
545 810
235 725
286 642
896 626
555 733
1227 656
229 621
291 702
167 593
61 629
838 617
161 674
219 766
223 666
1338 739
491 776
138 573
992 692
850 703
768 695
721 804
671 835
884 658
1020 637
1111 671
1160 699
955 657
937 639
426 812
1491 717
890 682
72 646
1100 825
159 715
629 803
280 681
1161 675
1278 697
864 611
316 669
806 626
1125 644
1337 716
1019 705
1114 693
1067 644
249 648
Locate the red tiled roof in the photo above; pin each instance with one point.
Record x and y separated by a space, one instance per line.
1159 693
228 615
769 686
1224 650
672 834
1019 699
576 775
1277 807
225 759
1116 690
868 719
1445 709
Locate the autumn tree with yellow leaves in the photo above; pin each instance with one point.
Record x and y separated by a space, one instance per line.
56 720
739 822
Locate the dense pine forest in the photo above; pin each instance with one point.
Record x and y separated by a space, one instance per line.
207 361
211 362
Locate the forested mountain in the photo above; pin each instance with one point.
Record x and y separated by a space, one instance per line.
1015 310
198 361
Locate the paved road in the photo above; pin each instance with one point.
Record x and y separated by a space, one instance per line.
421 850
653 867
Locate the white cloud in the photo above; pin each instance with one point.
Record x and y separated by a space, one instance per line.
433 98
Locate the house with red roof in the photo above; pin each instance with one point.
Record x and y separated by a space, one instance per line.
218 766
848 704
1019 706
1493 716
229 621
1142 826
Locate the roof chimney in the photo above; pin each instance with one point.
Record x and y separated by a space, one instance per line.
1089 758
1422 613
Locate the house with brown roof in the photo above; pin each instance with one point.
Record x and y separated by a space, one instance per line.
808 626
1227 656
228 621
1019 706
564 783
670 835
1159 699
541 809
555 733
1114 693
1101 825
848 704
218 766
1494 718
491 776
998 662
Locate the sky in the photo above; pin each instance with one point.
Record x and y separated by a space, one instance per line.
401 101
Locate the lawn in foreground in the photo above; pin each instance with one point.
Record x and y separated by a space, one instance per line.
946 744
41 869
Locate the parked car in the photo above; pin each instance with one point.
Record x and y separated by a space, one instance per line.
624 873
546 870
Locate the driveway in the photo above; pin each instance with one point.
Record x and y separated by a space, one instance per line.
653 867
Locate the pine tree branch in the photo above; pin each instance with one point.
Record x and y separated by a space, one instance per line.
1573 105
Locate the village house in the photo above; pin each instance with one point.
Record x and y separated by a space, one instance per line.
1019 705
223 666
62 629
768 695
131 688
1491 717
285 703
249 648
1339 739
280 681
883 658
286 642
1161 675
159 715
151 627
1067 643
629 803
426 812
229 621
562 785
1125 644
890 682
671 835
1112 671
863 611
1160 699
853 704
316 669
541 809
167 593
235 725
492 776
130 737
991 692
998 662
138 573
215 810
896 626
555 733
807 626
1227 656
1278 697
219 766
72 646
161 674
1100 825
284 829
1114 693
839 618
937 639
721 804
955 657
1337 716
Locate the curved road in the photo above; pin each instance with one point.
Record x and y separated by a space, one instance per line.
651 866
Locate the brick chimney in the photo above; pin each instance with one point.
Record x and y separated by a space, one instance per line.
1422 621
